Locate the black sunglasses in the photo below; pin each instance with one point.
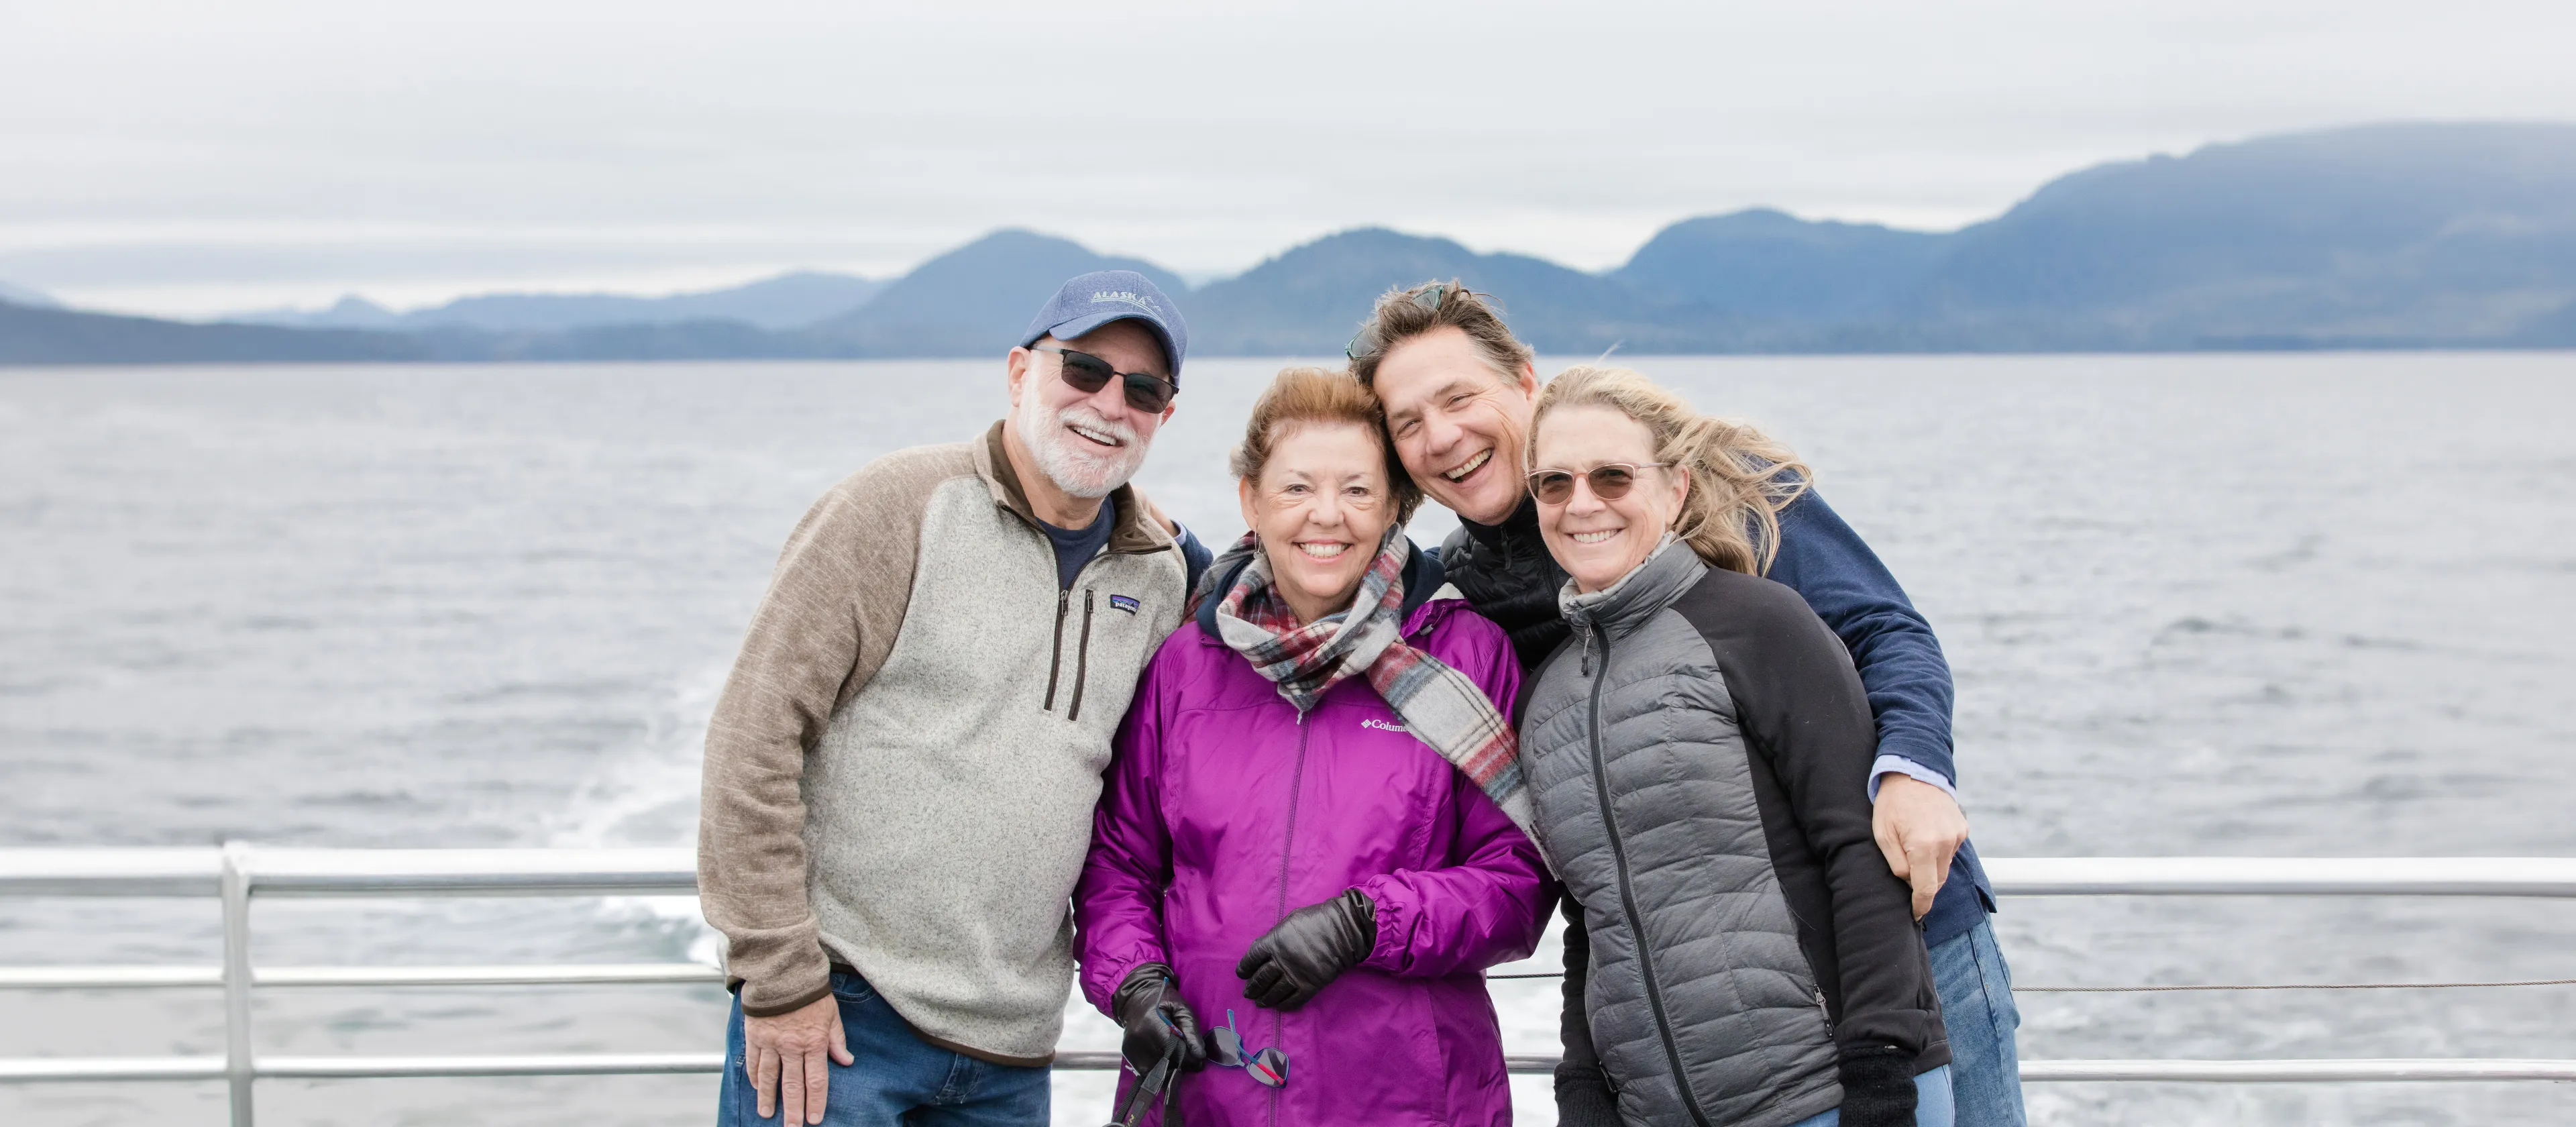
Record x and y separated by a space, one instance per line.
1088 374
1609 481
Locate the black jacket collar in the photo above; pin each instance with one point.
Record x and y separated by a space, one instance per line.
1522 523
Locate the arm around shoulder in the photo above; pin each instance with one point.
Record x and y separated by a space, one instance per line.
1803 710
1899 658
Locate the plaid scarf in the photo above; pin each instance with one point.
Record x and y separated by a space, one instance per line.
1441 707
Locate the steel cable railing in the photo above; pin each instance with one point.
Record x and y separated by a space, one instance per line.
237 873
2159 989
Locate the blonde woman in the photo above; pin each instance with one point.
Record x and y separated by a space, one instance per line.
1698 755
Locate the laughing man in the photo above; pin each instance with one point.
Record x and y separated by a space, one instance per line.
901 770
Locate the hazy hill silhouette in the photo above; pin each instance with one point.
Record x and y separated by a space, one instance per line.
2411 232
787 301
1307 301
972 301
2378 235
32 335
2406 235
1763 263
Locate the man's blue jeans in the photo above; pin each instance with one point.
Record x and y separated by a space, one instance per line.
899 1078
1932 1103
1978 1012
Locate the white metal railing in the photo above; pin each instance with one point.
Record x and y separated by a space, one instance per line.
236 873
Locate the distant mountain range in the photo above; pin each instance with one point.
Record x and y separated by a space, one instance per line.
2386 236
787 301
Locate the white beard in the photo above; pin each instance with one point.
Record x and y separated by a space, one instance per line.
1076 465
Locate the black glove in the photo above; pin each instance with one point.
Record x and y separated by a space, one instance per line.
1584 1098
1878 1086
1308 950
1156 1019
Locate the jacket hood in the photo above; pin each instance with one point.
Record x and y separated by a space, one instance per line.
1652 585
1422 576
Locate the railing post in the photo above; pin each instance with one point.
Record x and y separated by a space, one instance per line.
237 982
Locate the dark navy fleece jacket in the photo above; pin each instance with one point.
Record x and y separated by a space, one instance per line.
1900 664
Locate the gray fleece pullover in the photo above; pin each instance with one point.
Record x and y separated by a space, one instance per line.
901 770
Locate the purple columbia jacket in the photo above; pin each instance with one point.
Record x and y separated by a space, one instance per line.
1221 813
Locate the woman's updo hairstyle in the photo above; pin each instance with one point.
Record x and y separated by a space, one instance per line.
1405 313
1739 478
1298 396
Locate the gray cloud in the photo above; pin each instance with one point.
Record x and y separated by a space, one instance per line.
174 154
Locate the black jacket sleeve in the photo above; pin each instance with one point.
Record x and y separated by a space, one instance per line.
1806 720
1583 1095
1575 1026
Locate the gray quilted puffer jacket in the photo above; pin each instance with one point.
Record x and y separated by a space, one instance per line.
1699 753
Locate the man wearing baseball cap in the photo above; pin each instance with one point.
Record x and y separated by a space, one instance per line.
901 770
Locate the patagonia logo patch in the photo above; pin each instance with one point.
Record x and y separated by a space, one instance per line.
1383 726
1123 602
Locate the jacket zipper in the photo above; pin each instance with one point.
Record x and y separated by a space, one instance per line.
1081 656
1055 660
1287 849
1063 610
1627 896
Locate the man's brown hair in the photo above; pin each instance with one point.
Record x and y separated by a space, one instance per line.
1403 314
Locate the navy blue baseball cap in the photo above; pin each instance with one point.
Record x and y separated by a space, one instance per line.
1102 296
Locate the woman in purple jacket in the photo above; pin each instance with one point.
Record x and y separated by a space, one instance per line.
1306 844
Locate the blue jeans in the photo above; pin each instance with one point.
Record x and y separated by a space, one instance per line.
1977 1009
1932 1101
899 1079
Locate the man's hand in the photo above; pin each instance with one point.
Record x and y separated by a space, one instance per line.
1919 828
784 1057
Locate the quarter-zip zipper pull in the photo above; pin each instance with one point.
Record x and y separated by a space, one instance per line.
1081 657
1055 660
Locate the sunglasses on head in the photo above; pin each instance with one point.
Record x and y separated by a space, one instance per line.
1088 374
1430 300
1610 481
1268 1067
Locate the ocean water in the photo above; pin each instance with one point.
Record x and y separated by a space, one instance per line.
2312 604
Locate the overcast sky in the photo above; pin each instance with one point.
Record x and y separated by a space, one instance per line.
190 157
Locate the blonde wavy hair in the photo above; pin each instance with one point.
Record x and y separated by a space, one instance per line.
1739 478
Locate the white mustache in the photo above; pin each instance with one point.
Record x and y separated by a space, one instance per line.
1092 420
